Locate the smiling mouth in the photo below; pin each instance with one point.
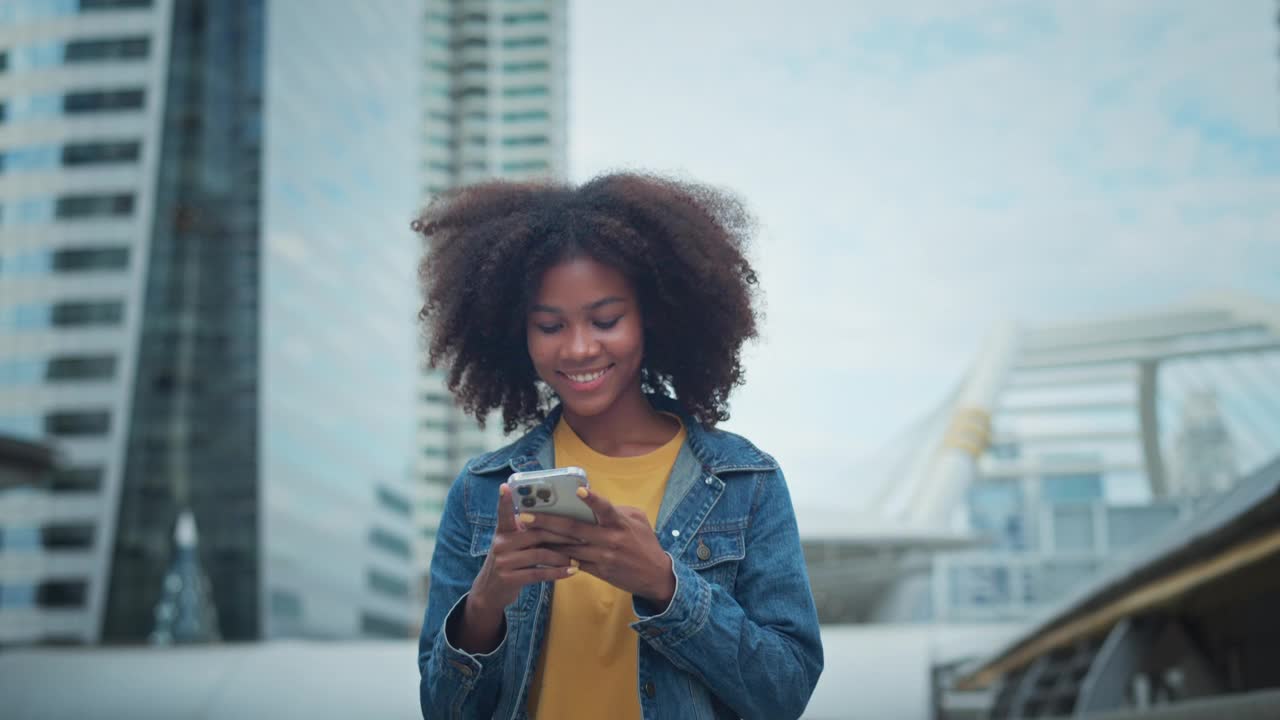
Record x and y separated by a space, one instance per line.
586 378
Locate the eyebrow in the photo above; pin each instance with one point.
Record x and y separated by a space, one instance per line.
588 307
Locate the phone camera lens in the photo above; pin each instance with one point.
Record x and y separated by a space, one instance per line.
528 502
524 489
544 494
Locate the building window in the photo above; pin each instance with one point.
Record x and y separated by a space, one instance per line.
62 594
514 43
80 313
474 42
31 107
389 542
527 18
20 372
26 539
525 116
77 479
475 67
526 67
95 5
81 367
92 101
380 626
434 452
26 426
473 91
29 158
77 423
100 153
525 141
78 536
526 166
88 259
525 91
99 49
78 207
393 501
4 60
13 596
387 584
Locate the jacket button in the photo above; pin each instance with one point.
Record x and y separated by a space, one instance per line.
650 690
704 552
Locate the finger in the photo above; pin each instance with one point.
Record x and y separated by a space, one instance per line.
533 537
592 569
536 575
581 553
606 514
553 523
506 510
537 556
568 528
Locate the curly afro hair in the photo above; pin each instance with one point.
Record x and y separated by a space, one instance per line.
681 246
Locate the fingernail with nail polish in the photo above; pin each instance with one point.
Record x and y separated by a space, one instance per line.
573 562
527 518
571 571
582 492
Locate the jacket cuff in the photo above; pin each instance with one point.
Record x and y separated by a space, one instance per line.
461 666
684 615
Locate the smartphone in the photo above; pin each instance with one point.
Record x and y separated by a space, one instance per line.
554 492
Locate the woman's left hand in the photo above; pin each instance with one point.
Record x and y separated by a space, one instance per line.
622 550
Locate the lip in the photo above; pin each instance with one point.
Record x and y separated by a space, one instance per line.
587 386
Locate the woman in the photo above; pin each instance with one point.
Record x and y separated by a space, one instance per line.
609 319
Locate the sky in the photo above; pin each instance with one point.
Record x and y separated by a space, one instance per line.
924 171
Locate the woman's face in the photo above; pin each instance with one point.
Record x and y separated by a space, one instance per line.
586 336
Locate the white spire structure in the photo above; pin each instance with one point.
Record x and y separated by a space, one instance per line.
185 612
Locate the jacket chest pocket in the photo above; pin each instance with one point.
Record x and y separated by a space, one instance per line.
715 554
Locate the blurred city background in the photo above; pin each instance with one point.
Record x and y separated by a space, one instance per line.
1021 358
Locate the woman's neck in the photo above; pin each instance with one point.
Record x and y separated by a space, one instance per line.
630 427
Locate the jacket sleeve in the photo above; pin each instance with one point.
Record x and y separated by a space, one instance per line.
757 649
454 683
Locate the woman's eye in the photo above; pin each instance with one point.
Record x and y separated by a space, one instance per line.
547 329
607 324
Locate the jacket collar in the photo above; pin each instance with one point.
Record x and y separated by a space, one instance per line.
716 451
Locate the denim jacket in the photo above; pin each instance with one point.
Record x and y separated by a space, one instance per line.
739 638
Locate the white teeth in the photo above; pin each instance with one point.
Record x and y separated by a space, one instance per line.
587 377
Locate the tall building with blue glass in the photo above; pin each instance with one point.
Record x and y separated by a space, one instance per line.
207 310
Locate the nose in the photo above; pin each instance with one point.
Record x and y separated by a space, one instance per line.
582 344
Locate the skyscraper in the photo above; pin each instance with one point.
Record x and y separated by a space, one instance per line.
495 89
206 306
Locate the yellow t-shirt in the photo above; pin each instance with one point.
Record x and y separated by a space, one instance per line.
590 656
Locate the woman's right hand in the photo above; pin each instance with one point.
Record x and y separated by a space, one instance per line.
514 555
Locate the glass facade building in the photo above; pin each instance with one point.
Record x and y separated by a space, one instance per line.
1063 448
207 306
494 88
